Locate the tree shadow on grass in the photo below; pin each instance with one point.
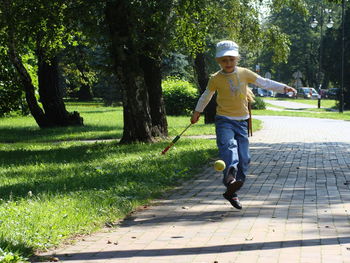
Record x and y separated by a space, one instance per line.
74 153
80 168
31 134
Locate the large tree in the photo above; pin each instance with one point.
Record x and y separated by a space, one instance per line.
39 26
139 32
333 58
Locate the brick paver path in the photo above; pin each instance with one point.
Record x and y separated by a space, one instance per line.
296 207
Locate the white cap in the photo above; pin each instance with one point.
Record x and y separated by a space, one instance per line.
226 48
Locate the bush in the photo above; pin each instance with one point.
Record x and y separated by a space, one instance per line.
259 104
180 96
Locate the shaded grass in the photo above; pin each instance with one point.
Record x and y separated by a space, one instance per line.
51 192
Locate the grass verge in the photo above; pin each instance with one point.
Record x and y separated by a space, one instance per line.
310 113
52 192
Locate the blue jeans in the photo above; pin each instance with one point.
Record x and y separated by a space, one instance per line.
233 144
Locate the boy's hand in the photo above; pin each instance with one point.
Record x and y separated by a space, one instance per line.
195 117
290 89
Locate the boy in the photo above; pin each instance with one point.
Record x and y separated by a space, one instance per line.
233 94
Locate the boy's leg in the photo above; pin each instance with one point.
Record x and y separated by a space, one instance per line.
228 151
227 146
233 145
241 136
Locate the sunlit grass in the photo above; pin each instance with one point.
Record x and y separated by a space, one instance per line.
309 114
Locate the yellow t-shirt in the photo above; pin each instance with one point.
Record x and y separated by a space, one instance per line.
232 91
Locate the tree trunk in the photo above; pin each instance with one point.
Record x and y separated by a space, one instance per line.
144 115
153 79
137 117
29 89
84 93
203 78
51 95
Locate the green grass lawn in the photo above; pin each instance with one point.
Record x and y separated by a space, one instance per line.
54 186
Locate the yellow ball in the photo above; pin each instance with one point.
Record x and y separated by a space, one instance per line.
219 165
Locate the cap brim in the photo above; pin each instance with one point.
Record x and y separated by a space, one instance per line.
232 53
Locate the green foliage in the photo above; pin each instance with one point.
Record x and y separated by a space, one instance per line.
305 49
76 69
180 96
10 98
88 63
194 20
176 64
9 257
11 94
258 104
278 42
37 24
200 23
298 6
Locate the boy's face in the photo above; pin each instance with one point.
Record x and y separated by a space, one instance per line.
227 63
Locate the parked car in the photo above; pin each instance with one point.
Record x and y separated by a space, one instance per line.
259 92
270 93
332 93
323 93
307 93
285 95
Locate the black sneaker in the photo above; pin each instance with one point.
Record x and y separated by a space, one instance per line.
233 200
233 187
